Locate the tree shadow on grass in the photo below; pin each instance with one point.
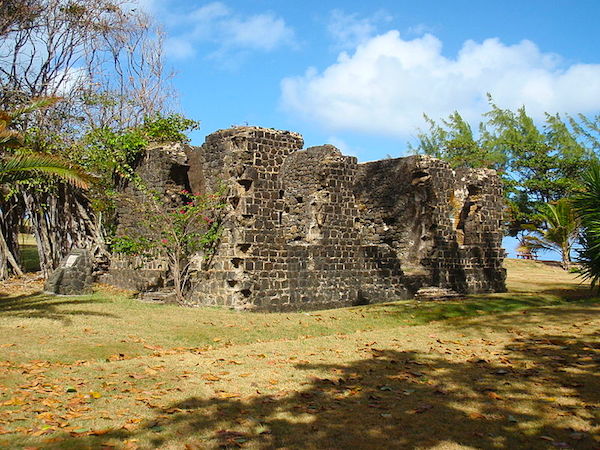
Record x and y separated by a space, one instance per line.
402 399
427 311
578 293
545 318
42 306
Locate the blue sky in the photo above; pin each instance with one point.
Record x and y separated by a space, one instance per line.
360 75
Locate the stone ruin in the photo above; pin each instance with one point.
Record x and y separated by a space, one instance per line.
312 229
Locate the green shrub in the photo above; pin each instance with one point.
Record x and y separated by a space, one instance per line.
170 128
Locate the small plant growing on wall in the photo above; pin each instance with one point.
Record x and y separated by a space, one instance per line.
178 232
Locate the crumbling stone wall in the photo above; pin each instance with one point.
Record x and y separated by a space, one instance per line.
164 170
444 225
312 229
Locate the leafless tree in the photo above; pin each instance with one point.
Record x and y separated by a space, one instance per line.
104 59
17 14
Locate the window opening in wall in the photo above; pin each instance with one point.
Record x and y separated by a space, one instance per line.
473 190
244 247
420 176
246 184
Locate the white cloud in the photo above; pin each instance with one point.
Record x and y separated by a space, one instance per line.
68 80
179 48
148 6
260 32
389 82
419 30
349 30
208 13
342 146
215 23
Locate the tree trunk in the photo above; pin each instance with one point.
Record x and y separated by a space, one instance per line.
10 219
566 258
62 220
7 260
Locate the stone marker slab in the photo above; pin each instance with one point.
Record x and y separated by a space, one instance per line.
73 276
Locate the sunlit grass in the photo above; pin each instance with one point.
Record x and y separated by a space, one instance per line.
108 369
29 253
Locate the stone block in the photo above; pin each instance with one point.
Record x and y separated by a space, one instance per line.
73 276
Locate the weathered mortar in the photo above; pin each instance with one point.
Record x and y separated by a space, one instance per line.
311 229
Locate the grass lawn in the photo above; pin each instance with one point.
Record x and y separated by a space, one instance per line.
513 370
29 253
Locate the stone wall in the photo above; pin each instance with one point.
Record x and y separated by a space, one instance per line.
311 229
138 273
164 170
444 226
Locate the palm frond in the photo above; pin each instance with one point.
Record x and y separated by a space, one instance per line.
13 138
587 204
10 138
27 166
36 104
537 243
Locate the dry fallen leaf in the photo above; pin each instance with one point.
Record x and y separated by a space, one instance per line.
210 377
421 408
494 396
227 395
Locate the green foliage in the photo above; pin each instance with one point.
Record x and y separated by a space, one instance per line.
545 163
111 152
192 227
587 204
454 142
560 232
171 128
587 129
130 245
25 166
178 231
538 165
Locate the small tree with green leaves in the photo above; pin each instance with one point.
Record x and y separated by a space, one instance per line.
180 233
455 142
